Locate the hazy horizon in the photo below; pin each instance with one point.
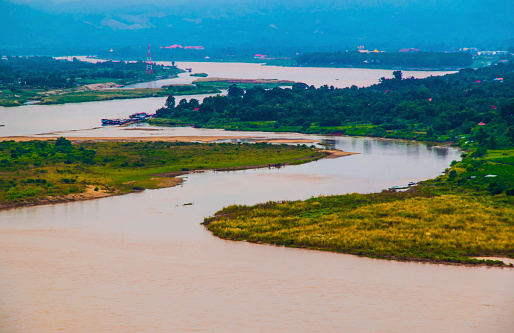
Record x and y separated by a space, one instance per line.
305 24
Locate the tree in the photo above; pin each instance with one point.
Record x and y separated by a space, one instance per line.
398 75
235 91
507 113
300 86
63 142
170 102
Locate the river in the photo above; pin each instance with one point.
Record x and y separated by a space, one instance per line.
143 263
317 76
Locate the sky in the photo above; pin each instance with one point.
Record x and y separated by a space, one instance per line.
333 24
99 4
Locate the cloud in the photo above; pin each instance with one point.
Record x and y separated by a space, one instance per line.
197 21
117 25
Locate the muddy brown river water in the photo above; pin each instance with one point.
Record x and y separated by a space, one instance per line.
143 263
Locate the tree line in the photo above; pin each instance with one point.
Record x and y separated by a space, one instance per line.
47 72
386 59
473 105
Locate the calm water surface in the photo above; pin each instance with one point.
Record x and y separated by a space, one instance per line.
143 263
337 77
38 119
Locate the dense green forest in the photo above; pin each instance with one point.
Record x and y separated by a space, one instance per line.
386 59
473 106
47 72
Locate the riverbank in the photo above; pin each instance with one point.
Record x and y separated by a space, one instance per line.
104 92
225 83
205 139
462 217
44 171
46 80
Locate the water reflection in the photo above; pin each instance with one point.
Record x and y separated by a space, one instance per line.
441 151
328 143
367 147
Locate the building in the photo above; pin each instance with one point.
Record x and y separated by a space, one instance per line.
409 50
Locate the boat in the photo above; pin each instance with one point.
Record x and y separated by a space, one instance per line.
141 116
109 122
133 118
115 121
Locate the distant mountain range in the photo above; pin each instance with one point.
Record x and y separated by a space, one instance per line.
57 27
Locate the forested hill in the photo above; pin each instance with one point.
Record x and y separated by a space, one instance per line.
423 60
471 105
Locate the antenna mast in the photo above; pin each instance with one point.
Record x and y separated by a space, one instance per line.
149 69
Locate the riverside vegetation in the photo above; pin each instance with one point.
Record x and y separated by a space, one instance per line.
38 171
413 60
108 94
442 109
46 80
450 219
466 213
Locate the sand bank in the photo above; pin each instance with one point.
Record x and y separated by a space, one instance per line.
160 138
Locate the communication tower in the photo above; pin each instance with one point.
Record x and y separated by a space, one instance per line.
149 69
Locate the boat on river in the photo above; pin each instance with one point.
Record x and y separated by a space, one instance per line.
114 121
133 118
141 116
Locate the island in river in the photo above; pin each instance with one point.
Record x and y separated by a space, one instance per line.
454 218
48 171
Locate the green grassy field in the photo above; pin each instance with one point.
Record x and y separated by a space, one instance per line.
224 83
444 220
35 170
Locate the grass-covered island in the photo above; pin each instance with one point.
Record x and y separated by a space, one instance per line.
39 172
467 213
451 219
79 95
225 83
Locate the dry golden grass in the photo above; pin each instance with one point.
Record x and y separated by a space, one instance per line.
447 228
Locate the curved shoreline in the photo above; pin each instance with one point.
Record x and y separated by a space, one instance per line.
178 138
166 179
